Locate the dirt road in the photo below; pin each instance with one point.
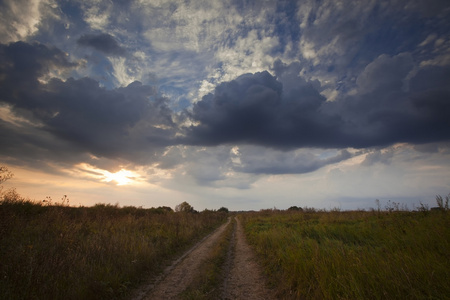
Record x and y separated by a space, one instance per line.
245 280
242 275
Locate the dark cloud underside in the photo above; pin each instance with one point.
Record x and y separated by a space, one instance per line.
394 102
128 122
102 42
257 109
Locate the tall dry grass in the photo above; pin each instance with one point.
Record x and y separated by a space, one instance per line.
354 255
100 252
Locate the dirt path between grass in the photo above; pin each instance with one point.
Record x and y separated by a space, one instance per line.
242 275
245 280
177 277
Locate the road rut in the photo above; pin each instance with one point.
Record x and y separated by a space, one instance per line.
245 280
242 275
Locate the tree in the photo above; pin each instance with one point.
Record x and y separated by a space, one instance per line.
165 208
5 174
223 209
184 207
295 208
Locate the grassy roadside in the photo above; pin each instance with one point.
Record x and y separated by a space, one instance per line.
100 252
354 255
208 283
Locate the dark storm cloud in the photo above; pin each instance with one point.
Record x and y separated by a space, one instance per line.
22 64
126 123
388 108
102 42
406 105
101 120
395 101
254 109
28 145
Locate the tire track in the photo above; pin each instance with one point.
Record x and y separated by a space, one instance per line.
242 276
229 261
177 277
245 280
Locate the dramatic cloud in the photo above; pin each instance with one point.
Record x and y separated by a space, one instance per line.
22 65
121 123
253 109
236 101
282 112
19 19
257 109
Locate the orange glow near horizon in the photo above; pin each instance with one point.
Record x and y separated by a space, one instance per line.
87 185
122 177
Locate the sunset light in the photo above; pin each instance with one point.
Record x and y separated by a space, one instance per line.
131 129
88 171
123 177
244 104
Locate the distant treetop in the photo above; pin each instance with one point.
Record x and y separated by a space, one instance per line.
223 209
295 208
184 207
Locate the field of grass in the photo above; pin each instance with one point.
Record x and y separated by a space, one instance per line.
353 255
100 252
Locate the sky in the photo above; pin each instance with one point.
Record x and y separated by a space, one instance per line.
243 104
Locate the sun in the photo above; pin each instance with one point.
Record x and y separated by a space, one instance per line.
121 177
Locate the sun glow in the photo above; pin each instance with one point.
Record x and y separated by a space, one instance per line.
121 177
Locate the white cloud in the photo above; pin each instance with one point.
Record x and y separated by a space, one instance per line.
330 93
196 26
206 87
396 172
440 52
250 54
224 39
122 71
97 13
331 32
20 19
430 38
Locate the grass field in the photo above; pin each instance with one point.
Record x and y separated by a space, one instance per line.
54 251
354 255
100 252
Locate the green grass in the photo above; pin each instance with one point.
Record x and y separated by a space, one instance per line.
354 255
100 252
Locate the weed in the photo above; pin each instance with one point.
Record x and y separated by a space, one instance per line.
441 204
